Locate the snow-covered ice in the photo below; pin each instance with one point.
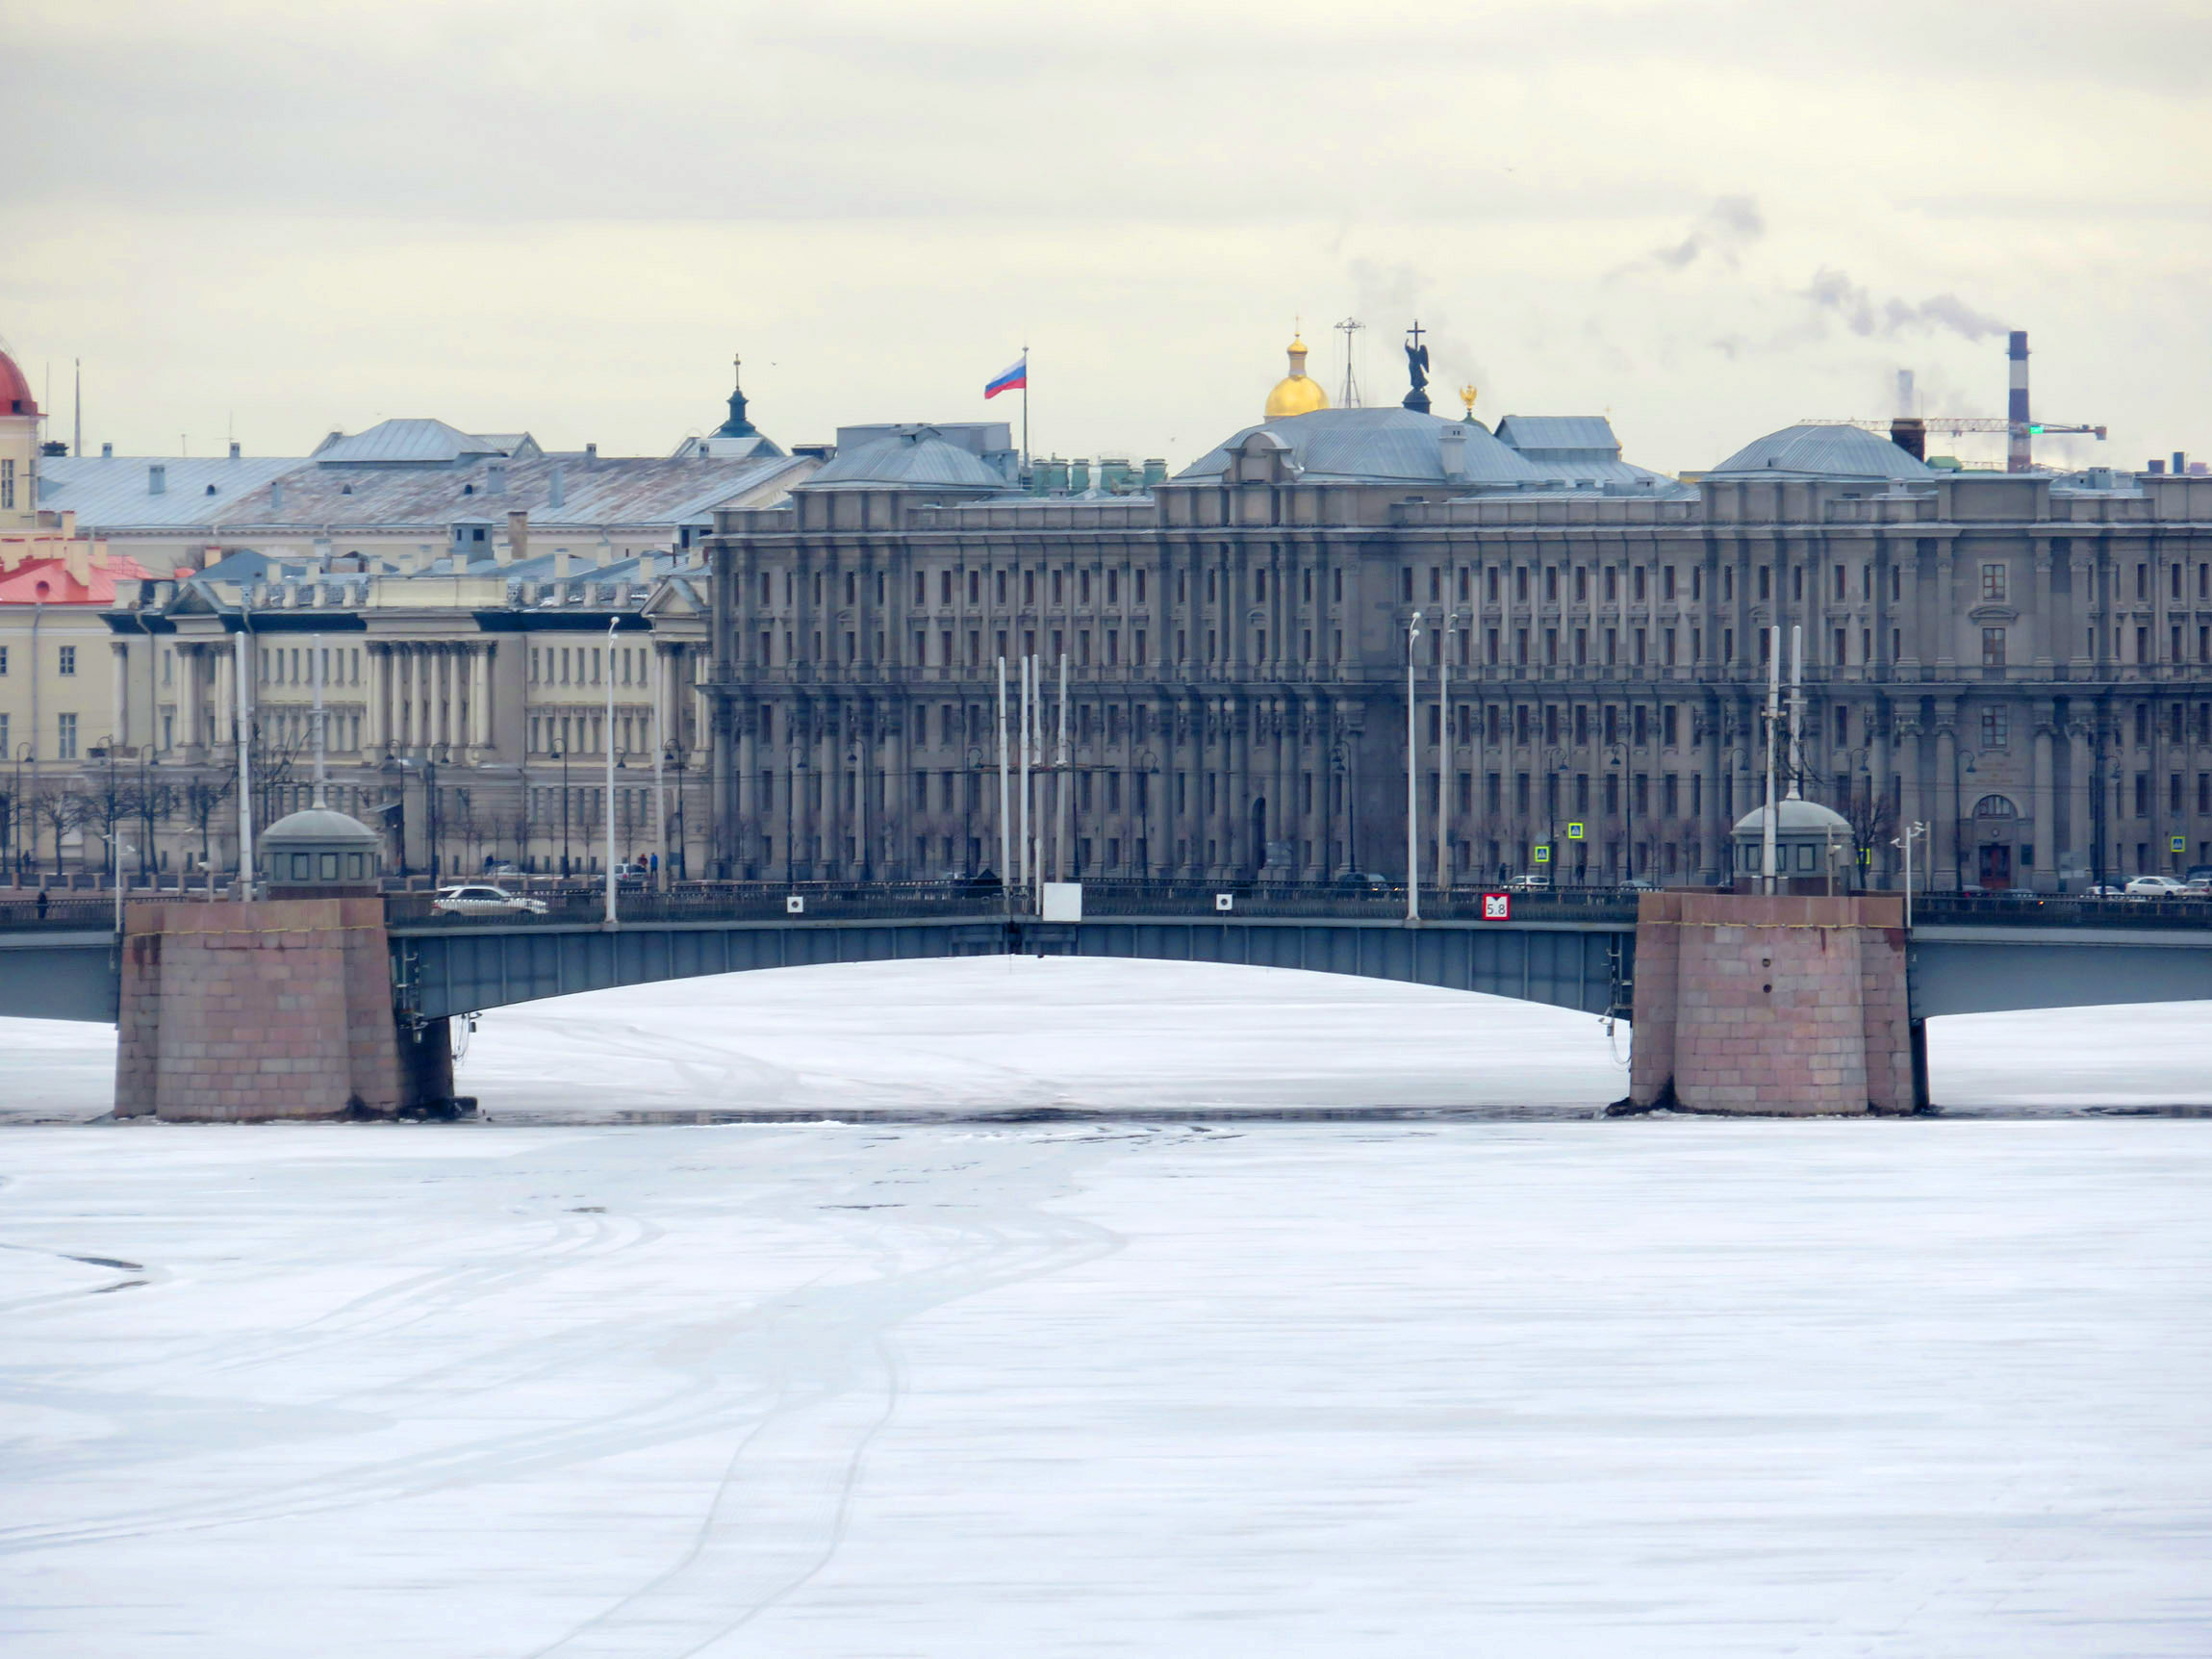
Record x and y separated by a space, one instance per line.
1013 1034
1657 1388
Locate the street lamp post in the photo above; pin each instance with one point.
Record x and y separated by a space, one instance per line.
1413 777
1146 766
797 766
561 756
607 743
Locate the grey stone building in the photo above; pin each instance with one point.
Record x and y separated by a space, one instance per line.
2023 662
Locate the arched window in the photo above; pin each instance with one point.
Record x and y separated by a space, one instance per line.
1994 806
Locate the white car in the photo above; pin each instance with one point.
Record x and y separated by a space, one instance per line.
2158 887
475 901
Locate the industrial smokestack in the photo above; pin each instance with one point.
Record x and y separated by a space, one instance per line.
1910 433
2016 455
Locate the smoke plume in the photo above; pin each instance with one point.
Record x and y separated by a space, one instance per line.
1856 307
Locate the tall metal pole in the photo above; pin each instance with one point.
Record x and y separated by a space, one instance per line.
1028 664
241 660
660 746
608 743
1413 778
1061 790
322 755
1773 736
1795 763
1444 756
1006 822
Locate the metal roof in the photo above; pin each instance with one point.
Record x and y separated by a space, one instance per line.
1578 434
412 443
912 458
1813 449
1379 446
597 494
118 490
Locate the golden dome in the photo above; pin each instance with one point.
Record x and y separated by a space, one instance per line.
1294 393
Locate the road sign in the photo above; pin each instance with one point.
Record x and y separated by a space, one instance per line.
2179 843
1497 908
1574 831
1543 854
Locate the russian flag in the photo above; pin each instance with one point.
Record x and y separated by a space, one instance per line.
1014 379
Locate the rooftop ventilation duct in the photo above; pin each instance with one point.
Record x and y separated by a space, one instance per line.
157 479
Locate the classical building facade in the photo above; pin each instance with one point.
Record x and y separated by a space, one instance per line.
2022 662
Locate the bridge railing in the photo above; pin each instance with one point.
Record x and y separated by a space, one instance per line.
576 905
20 908
2059 910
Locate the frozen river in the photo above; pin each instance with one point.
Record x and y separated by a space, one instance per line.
1583 1388
1566 1387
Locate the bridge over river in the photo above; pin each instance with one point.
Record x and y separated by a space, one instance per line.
1576 950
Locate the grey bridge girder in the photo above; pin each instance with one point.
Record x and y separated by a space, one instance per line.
60 976
1980 970
448 971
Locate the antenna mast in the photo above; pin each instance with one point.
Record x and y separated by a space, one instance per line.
1349 396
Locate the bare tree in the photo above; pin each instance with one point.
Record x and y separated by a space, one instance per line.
201 798
56 809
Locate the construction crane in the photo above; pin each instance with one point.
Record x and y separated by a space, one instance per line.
1952 425
1909 431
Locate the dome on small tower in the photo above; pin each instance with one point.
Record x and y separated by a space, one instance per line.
319 853
1813 846
1295 394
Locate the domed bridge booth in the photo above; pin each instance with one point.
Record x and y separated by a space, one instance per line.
281 1007
320 854
1815 850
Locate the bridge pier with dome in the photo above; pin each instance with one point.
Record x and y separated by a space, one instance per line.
279 1007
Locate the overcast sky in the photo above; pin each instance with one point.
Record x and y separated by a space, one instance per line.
1705 217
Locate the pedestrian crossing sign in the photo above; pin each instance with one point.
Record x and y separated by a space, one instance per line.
1574 831
2179 843
1543 854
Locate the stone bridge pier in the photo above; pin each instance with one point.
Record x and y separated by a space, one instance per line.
279 1008
1775 1006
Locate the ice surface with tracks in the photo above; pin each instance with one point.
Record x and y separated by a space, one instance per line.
835 1392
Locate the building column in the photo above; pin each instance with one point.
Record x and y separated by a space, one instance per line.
226 693
119 691
1946 851
480 701
2080 839
379 702
2045 874
744 837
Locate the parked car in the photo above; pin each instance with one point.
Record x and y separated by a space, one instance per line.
2158 887
632 875
2103 891
1528 884
1638 884
486 900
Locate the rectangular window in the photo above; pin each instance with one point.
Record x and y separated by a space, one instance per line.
1635 584
1994 583
66 747
1666 646
3 664
1667 583
1843 646
68 660
7 483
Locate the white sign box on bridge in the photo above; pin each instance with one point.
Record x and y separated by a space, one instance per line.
1061 901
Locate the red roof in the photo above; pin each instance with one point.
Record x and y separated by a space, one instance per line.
15 390
49 581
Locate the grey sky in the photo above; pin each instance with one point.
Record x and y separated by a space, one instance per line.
1708 218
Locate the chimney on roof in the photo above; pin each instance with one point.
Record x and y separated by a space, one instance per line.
2180 462
591 457
233 451
1452 449
556 489
1910 433
2157 468
157 479
276 498
518 534
495 479
560 564
107 451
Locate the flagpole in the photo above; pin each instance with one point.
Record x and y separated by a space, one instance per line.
1025 406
